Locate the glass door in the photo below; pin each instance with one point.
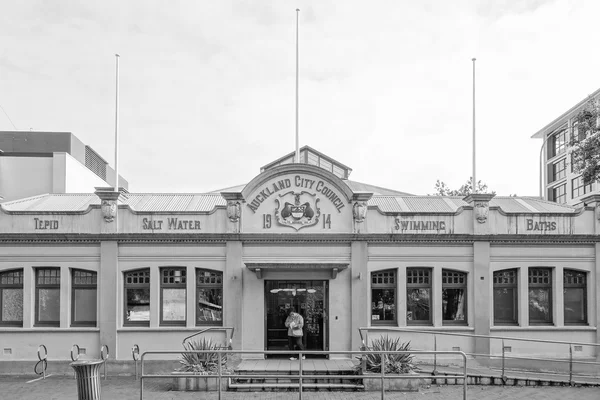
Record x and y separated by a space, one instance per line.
309 299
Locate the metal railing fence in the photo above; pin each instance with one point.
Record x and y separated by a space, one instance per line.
301 376
504 357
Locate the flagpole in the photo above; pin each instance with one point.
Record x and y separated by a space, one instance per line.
297 105
475 188
117 142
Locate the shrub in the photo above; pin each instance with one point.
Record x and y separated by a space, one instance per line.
394 363
205 363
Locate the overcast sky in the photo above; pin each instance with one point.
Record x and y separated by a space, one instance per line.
207 87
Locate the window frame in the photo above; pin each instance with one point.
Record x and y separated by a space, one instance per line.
581 189
562 196
548 286
557 146
559 170
385 286
410 286
38 286
445 285
143 285
83 286
216 285
576 286
173 285
3 286
514 286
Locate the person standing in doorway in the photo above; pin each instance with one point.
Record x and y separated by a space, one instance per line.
294 323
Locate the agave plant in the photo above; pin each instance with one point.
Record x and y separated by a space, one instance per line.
394 363
205 363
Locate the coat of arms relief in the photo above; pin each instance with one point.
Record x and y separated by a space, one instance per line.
297 210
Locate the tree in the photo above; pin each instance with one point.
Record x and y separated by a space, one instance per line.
585 142
441 189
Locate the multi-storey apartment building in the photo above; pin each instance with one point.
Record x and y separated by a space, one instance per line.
558 181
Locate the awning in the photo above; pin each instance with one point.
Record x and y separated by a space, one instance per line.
260 268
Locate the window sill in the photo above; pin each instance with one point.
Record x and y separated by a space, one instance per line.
163 328
544 328
49 329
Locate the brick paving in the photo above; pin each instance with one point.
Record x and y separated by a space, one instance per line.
125 388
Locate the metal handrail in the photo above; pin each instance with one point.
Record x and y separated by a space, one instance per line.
213 328
434 332
301 375
438 332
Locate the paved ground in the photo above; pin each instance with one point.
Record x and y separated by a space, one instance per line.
125 388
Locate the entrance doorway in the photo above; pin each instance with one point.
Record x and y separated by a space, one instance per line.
309 299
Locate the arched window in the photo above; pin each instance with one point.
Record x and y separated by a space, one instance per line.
11 298
209 297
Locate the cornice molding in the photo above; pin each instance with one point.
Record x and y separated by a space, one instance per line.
222 238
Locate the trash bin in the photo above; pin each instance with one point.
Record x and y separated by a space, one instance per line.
87 373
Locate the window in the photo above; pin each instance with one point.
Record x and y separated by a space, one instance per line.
383 298
540 296
418 293
578 188
137 297
47 297
559 169
209 297
11 298
173 296
505 297
454 297
559 193
557 143
575 297
84 295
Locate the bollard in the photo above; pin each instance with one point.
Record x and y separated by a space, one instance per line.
104 357
135 353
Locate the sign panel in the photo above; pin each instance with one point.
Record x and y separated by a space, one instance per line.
297 202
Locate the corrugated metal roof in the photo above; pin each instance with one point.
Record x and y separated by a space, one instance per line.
53 203
544 206
377 190
427 204
386 204
138 202
509 205
172 202
438 204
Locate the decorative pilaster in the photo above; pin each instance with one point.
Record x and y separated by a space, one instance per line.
234 211
359 211
481 210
